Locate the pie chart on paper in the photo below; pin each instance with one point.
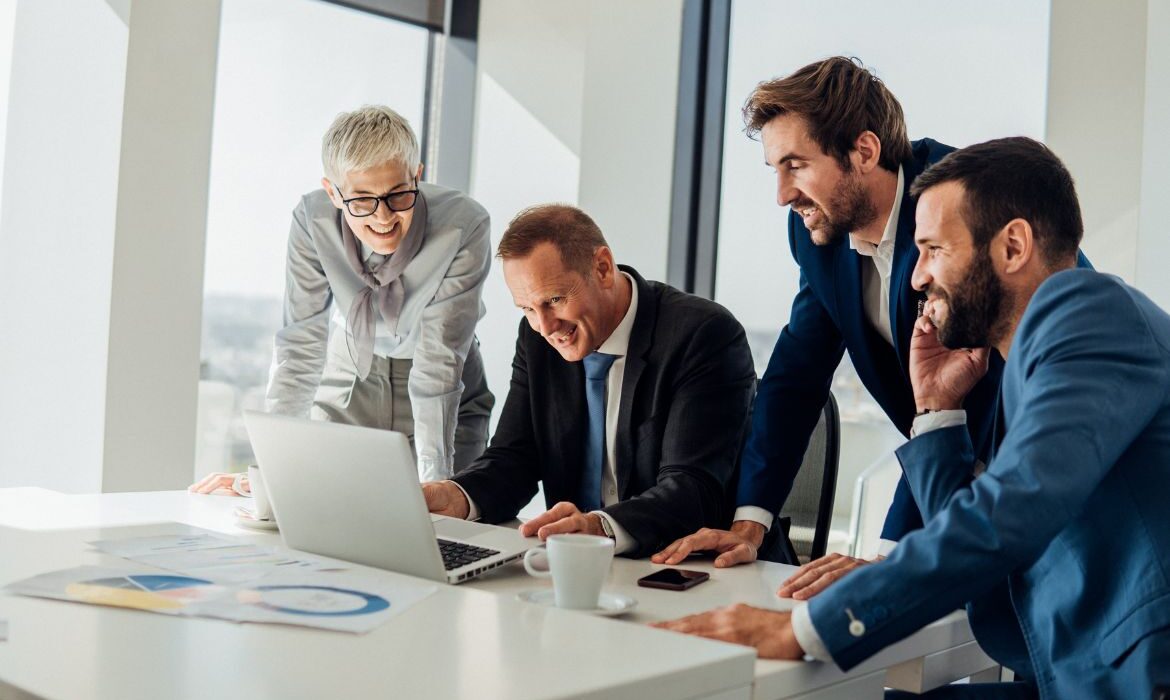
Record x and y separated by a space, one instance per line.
316 601
157 592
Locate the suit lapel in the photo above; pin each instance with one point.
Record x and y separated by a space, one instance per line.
641 337
904 300
564 399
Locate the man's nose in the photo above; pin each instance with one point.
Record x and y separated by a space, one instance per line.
546 322
786 192
920 278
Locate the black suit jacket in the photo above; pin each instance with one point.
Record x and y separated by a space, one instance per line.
686 399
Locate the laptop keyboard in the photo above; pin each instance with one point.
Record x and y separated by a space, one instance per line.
457 554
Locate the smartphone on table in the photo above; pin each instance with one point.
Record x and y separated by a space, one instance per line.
673 579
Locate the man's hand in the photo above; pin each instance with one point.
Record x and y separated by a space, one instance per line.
739 546
941 377
219 484
769 631
445 498
817 575
560 519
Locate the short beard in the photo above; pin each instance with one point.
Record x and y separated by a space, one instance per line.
974 318
848 210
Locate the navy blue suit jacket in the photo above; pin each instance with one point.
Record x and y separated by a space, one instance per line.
1071 513
828 318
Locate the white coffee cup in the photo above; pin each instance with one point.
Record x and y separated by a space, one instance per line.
577 564
261 508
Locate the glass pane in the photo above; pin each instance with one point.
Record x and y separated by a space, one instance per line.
963 73
286 68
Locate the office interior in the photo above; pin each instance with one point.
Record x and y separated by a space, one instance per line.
153 150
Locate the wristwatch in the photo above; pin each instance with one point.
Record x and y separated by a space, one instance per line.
606 527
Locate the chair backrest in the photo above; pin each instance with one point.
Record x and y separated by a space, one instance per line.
810 504
872 496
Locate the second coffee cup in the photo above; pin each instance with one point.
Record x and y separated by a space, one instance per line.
578 565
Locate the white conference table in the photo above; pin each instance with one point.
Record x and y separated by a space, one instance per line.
472 640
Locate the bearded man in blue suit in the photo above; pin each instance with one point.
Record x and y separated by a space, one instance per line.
1071 511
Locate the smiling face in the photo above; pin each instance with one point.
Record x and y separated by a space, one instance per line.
575 313
965 296
831 201
383 230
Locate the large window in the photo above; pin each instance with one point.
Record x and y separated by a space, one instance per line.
963 73
286 68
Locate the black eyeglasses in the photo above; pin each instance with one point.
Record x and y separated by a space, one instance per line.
366 206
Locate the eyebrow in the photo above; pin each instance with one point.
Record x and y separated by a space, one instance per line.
388 192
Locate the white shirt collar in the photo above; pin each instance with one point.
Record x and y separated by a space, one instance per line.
868 249
618 342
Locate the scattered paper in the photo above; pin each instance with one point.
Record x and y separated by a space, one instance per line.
215 556
345 602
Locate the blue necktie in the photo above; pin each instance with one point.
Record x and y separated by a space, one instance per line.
597 366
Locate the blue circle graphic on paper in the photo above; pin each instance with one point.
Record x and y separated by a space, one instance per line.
318 598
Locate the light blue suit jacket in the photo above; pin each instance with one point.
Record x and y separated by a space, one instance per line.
1073 511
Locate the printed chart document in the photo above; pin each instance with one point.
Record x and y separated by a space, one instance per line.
203 553
341 601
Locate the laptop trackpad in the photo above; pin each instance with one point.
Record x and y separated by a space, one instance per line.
458 529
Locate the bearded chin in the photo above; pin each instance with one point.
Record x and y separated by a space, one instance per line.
975 305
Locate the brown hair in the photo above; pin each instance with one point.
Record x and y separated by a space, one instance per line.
839 99
575 235
1013 178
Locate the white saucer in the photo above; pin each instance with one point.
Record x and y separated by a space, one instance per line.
610 604
246 518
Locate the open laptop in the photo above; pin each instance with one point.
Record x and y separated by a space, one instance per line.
352 493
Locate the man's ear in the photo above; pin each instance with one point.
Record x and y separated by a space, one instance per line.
418 173
1016 244
604 267
332 192
867 151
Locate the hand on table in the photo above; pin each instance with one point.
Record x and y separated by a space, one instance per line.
562 518
819 574
737 546
769 631
220 484
942 377
445 498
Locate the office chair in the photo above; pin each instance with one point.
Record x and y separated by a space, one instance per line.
808 512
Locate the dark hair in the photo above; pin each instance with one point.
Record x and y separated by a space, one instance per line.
575 235
1013 178
839 98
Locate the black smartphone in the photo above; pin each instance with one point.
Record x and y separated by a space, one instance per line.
673 579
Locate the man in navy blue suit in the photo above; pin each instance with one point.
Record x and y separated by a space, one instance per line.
1070 513
837 139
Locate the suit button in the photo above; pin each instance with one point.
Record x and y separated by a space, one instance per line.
857 628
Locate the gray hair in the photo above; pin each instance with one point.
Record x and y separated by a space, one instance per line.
365 138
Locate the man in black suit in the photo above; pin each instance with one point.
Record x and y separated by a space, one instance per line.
629 399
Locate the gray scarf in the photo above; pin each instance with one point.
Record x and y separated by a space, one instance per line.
382 283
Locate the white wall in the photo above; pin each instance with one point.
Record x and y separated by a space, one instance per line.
1096 97
7 20
573 107
1154 220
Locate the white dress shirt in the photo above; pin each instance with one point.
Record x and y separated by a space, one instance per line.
875 297
617 344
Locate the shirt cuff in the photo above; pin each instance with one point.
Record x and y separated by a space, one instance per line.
472 509
622 542
936 420
885 547
435 468
755 514
806 634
